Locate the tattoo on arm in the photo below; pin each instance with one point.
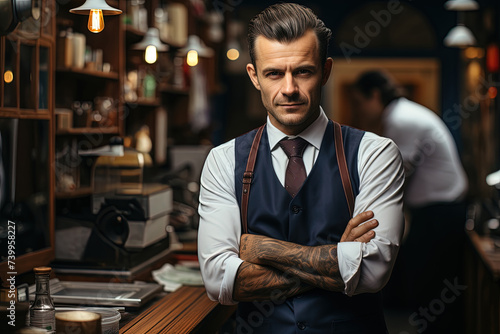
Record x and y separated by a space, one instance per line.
315 266
256 282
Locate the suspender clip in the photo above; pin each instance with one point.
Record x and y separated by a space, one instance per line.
247 177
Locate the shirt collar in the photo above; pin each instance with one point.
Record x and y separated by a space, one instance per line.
313 133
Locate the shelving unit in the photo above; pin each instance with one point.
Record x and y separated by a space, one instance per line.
165 112
89 73
80 192
174 90
145 103
27 135
82 131
132 32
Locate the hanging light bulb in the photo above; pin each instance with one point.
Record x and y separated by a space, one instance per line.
233 49
151 44
195 48
150 55
95 9
8 76
233 54
96 21
192 58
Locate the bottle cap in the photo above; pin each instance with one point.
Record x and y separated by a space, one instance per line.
42 270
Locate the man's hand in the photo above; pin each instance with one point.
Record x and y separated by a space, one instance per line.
250 245
314 266
357 232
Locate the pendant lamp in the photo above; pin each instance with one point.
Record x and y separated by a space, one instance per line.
195 48
151 44
95 9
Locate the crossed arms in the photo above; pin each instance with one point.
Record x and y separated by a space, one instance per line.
278 269
234 268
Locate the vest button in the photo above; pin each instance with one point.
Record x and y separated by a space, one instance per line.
301 325
295 209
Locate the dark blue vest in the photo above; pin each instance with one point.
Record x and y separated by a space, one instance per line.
317 215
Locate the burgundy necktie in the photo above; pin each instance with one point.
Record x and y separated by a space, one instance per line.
295 171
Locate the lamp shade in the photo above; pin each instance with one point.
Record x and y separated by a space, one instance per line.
152 37
95 4
459 37
196 44
461 5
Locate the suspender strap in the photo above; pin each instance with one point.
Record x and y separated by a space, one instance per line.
248 175
247 179
344 171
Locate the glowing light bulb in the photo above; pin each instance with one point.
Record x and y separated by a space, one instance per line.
96 21
192 58
8 76
233 54
150 55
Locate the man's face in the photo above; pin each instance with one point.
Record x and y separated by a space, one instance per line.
289 77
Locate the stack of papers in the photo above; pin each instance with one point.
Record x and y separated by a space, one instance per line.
173 277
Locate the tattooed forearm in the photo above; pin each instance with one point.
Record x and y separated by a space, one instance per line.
255 282
315 266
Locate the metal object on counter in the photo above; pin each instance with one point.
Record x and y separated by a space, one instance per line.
110 316
42 312
82 322
93 293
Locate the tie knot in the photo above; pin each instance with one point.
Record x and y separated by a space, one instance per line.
293 147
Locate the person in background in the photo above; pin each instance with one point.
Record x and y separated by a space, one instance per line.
435 189
304 265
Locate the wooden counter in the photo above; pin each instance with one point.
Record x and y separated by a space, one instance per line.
187 310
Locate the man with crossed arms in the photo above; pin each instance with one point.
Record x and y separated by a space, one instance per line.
304 266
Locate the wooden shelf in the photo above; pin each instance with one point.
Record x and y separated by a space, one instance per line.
145 103
81 131
89 73
175 90
80 192
25 113
131 31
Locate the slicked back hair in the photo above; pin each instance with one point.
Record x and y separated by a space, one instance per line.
287 22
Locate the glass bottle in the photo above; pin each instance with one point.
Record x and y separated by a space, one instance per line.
42 312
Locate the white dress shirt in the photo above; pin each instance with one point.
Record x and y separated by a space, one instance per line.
432 166
364 267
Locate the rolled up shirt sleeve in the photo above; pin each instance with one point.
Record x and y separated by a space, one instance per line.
220 225
366 267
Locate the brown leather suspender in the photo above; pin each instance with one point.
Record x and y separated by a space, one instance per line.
248 175
344 171
247 179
